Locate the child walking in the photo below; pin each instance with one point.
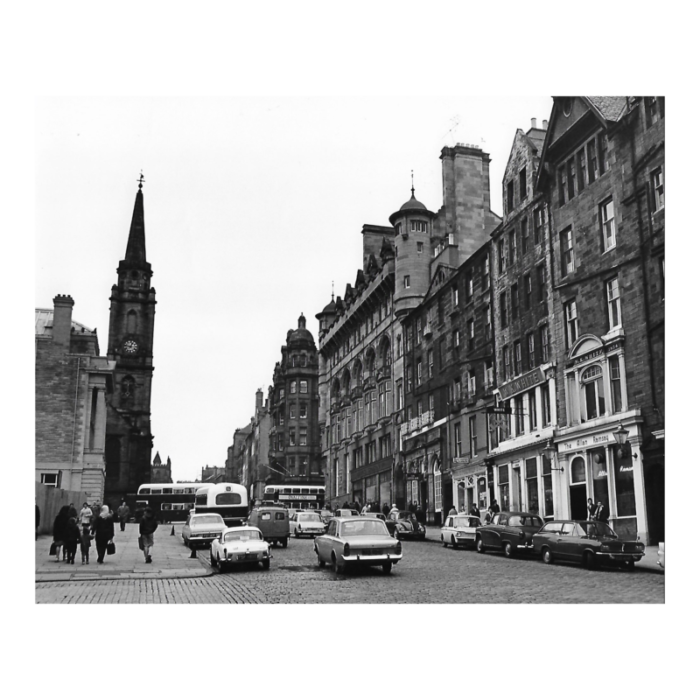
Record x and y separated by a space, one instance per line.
71 537
85 544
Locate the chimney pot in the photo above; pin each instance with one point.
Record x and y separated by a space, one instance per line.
533 122
544 124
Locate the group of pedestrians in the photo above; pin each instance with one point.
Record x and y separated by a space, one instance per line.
72 529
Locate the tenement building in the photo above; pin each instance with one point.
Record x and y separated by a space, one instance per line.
602 173
73 383
130 347
295 443
523 422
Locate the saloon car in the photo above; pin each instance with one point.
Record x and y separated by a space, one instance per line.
306 524
345 512
459 530
326 515
355 542
240 545
201 530
404 526
509 532
585 542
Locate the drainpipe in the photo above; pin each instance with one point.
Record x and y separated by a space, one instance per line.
75 410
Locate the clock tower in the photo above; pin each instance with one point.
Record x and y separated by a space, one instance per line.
130 346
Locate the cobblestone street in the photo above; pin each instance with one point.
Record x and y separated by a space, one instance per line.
427 574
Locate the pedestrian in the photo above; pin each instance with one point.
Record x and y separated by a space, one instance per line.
474 511
123 513
59 527
365 509
71 537
38 520
95 507
489 515
147 527
85 538
72 512
591 507
385 508
85 515
601 513
103 527
394 509
495 508
453 511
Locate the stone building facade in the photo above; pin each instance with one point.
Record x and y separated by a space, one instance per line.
130 347
602 173
72 386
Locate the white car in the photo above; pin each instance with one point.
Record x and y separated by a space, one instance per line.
201 530
240 545
661 558
357 541
306 523
459 530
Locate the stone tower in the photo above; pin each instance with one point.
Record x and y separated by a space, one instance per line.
130 345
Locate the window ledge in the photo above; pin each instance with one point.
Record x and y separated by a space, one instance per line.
614 334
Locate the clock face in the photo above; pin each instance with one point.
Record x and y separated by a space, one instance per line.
130 347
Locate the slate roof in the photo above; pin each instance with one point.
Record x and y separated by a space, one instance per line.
43 323
611 108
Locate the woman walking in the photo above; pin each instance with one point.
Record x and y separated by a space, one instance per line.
104 533
59 527
147 527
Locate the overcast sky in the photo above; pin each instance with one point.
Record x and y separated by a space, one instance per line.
253 209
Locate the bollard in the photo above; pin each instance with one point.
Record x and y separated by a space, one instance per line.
172 532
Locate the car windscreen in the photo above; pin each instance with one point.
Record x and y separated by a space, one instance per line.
311 517
242 536
600 530
467 522
363 527
207 520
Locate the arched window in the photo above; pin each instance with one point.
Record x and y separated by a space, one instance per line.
131 322
346 382
385 353
592 394
357 373
369 360
335 389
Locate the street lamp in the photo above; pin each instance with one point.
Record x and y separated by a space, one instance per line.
550 453
620 436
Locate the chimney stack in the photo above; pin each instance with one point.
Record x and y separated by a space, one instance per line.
258 399
544 124
62 319
533 123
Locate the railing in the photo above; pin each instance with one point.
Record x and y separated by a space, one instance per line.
426 418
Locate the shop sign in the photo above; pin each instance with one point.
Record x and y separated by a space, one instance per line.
527 381
587 442
626 469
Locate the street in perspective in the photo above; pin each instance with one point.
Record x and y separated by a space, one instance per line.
476 417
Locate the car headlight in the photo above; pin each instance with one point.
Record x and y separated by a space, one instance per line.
605 548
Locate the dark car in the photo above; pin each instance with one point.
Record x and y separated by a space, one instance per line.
404 525
585 542
509 532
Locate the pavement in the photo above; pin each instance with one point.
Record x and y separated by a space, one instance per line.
171 559
648 561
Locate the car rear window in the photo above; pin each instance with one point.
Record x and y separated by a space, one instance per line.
207 520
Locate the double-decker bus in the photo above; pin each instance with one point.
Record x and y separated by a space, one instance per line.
169 502
296 496
228 500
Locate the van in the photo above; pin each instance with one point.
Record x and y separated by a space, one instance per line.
273 522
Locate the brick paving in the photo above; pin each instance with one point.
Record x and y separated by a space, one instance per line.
427 574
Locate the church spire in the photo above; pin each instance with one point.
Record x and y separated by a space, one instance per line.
136 247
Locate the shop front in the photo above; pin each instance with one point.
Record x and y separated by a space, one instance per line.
598 467
422 455
470 486
372 483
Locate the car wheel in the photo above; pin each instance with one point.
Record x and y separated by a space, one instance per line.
285 542
442 539
454 542
211 558
589 560
547 557
321 563
480 545
386 567
266 564
628 565
509 550
296 533
338 567
220 565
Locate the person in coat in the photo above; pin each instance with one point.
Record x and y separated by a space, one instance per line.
474 511
495 508
123 513
85 545
386 509
147 527
71 537
602 513
85 516
103 527
591 507
453 511
59 527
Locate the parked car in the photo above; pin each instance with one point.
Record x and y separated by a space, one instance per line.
379 516
273 522
661 559
306 523
404 525
345 512
459 530
586 542
240 545
201 530
510 532
326 515
357 541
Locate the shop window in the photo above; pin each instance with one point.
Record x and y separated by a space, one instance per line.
547 489
600 477
624 486
503 487
533 499
593 398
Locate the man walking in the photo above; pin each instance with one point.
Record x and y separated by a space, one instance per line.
147 527
123 513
